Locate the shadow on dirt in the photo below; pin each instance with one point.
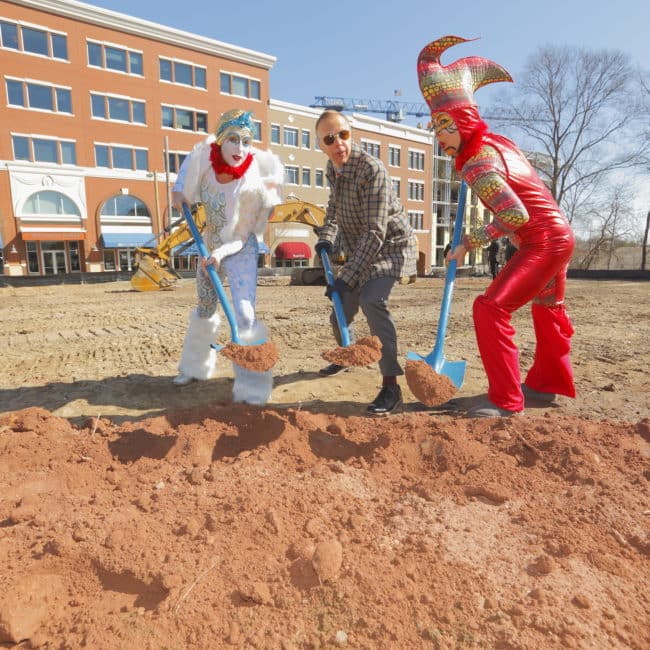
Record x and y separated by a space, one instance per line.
143 396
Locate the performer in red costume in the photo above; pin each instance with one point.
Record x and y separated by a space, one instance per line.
525 211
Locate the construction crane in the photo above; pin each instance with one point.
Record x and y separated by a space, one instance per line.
395 111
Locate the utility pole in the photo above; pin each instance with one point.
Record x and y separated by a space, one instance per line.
168 227
644 243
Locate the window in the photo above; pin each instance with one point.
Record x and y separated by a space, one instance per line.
241 86
306 139
397 185
318 178
119 109
33 40
416 191
185 119
115 58
121 157
32 257
257 131
50 202
290 136
394 156
416 160
46 150
175 160
416 219
186 74
38 97
124 205
291 174
275 134
373 148
306 176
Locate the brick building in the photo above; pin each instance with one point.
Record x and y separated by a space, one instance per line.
98 110
92 100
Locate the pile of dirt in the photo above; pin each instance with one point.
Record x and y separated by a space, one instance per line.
260 527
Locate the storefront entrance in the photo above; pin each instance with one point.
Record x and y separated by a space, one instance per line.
53 258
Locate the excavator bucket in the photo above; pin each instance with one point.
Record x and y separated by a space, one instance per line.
150 276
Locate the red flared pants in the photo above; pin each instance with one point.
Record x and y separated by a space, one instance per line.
536 272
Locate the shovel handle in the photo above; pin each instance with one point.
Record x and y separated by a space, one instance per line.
450 277
336 301
214 276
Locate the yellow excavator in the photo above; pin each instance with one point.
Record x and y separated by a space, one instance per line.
154 272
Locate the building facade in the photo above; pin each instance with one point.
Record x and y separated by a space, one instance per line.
98 110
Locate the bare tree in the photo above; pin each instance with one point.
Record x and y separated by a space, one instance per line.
584 112
611 226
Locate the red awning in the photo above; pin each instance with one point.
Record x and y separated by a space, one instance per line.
292 250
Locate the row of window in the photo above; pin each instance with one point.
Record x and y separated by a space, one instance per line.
56 99
416 219
290 136
63 152
33 40
54 45
294 176
50 150
52 203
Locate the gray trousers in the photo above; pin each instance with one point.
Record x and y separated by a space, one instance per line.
372 297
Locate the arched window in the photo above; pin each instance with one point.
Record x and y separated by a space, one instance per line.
124 205
50 202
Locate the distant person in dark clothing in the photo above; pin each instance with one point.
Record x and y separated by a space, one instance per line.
511 249
493 257
444 252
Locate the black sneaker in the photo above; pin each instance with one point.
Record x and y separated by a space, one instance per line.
332 369
388 400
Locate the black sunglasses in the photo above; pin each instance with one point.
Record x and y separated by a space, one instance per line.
330 137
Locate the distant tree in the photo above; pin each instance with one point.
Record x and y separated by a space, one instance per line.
585 113
611 227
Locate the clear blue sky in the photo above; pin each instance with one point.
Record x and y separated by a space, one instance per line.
369 48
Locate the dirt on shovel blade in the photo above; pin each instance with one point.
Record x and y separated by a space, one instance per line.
429 387
365 351
258 358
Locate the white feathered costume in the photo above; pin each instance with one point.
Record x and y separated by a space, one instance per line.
236 213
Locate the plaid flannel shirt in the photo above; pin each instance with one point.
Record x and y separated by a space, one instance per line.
376 237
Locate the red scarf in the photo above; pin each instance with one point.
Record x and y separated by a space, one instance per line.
220 166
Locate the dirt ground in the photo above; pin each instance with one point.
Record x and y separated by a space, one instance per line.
134 514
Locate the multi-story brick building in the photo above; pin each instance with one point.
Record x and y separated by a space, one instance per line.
91 102
98 110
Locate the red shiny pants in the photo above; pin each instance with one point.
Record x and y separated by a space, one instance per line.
537 273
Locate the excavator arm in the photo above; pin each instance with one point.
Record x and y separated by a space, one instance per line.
154 272
296 211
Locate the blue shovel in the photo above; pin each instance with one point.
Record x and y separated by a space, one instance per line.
336 301
216 282
455 370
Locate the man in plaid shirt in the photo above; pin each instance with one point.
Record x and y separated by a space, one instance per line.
378 242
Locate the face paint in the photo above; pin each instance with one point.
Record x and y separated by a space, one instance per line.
235 148
446 133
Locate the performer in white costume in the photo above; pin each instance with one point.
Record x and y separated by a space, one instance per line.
238 186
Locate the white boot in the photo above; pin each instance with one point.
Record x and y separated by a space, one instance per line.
198 359
250 386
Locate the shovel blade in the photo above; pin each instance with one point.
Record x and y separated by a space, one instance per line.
455 370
